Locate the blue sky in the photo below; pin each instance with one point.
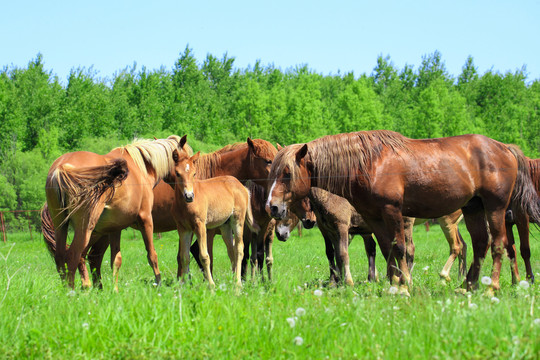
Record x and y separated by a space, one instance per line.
328 36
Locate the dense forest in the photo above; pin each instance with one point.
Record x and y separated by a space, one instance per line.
215 103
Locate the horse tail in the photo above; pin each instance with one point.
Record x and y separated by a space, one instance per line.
47 228
252 225
524 195
83 188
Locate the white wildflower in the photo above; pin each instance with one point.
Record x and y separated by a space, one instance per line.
524 284
486 280
300 311
318 293
473 306
85 326
426 268
536 321
495 300
291 321
393 290
298 340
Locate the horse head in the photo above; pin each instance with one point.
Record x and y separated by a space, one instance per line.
290 174
261 153
185 171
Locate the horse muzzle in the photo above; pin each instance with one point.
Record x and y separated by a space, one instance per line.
188 196
283 233
278 212
308 224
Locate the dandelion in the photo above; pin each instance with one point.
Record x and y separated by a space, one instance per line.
343 324
85 326
426 268
300 311
159 294
473 306
393 290
71 293
318 293
308 266
515 340
154 284
486 280
495 300
524 284
537 321
291 321
396 308
223 287
298 341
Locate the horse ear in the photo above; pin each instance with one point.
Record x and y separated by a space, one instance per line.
196 156
279 147
182 142
175 156
300 154
250 143
155 138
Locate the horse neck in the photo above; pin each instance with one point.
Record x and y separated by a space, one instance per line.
151 174
233 163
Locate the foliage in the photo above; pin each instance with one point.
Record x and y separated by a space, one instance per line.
215 103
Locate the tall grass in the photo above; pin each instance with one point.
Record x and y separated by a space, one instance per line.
294 316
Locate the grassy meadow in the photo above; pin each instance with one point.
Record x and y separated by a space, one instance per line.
294 316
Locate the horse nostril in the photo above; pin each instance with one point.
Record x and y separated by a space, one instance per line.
273 210
188 197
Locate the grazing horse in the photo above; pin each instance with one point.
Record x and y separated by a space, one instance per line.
338 222
248 160
386 176
103 194
220 201
521 220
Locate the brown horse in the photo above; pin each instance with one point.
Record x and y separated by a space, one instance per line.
220 201
521 220
250 160
339 222
103 194
386 176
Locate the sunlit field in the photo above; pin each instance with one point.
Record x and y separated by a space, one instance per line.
294 316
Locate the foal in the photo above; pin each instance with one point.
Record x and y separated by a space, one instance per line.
220 202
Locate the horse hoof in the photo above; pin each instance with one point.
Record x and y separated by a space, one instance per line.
489 292
404 291
461 291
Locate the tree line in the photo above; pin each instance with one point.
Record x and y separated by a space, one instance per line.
215 103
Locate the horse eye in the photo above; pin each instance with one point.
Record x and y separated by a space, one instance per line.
269 162
177 174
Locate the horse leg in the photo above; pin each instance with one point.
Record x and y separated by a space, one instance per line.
497 229
60 235
476 225
268 242
342 255
184 242
522 223
408 224
147 231
449 226
394 221
194 249
237 223
511 252
95 258
116 256
200 232
80 241
371 251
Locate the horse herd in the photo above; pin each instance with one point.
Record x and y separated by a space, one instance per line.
362 183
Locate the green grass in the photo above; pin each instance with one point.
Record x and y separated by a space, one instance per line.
40 318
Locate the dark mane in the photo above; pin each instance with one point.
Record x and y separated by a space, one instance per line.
338 158
534 171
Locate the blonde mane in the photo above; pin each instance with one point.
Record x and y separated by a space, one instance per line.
156 153
337 159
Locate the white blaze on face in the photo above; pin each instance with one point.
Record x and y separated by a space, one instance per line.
283 231
187 168
270 194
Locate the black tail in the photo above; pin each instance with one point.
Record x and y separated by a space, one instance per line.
524 195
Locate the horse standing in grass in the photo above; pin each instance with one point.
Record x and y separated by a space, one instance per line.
521 220
250 160
386 176
103 194
200 204
338 222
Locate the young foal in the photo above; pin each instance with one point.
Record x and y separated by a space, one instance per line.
217 202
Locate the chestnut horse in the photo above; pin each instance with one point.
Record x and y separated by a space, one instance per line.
386 176
220 201
339 222
248 160
521 220
103 194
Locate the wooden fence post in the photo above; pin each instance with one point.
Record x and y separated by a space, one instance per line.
3 226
